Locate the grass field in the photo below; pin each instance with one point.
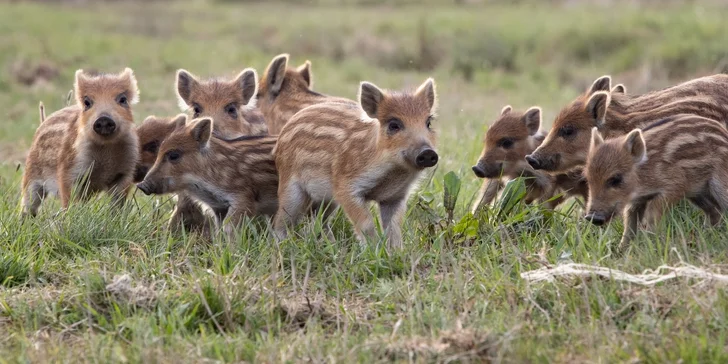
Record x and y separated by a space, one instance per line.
98 285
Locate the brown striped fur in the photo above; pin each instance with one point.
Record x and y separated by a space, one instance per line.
283 91
94 137
616 114
351 155
646 171
231 179
152 132
508 140
231 103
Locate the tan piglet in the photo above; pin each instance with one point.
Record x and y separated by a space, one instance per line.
351 155
91 145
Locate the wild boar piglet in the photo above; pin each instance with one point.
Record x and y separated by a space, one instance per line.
352 154
231 179
91 145
284 91
230 102
646 171
152 132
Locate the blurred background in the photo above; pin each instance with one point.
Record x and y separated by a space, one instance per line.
483 54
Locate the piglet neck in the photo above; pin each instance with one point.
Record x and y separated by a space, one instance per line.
374 149
312 98
617 118
213 148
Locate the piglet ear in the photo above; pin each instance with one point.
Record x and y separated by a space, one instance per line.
305 71
79 83
532 120
180 121
201 131
184 84
429 91
248 82
603 83
597 106
506 109
596 139
128 74
276 72
635 145
370 96
619 89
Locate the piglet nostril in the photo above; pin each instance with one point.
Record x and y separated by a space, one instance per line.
426 158
145 188
533 162
479 172
104 126
596 219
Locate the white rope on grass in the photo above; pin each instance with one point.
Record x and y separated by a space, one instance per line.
648 278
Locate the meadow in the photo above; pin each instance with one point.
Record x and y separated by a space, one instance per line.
97 284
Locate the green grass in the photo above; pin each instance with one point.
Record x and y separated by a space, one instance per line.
96 284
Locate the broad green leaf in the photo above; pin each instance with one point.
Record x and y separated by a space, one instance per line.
452 190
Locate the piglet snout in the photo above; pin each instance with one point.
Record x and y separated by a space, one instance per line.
426 158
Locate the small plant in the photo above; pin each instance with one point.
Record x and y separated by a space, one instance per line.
452 190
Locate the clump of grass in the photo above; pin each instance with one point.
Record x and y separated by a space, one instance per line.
14 269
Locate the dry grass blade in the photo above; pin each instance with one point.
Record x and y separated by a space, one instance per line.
647 278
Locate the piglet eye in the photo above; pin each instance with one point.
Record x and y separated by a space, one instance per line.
173 155
122 100
151 147
506 143
428 123
567 131
615 181
197 110
87 103
394 125
232 110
